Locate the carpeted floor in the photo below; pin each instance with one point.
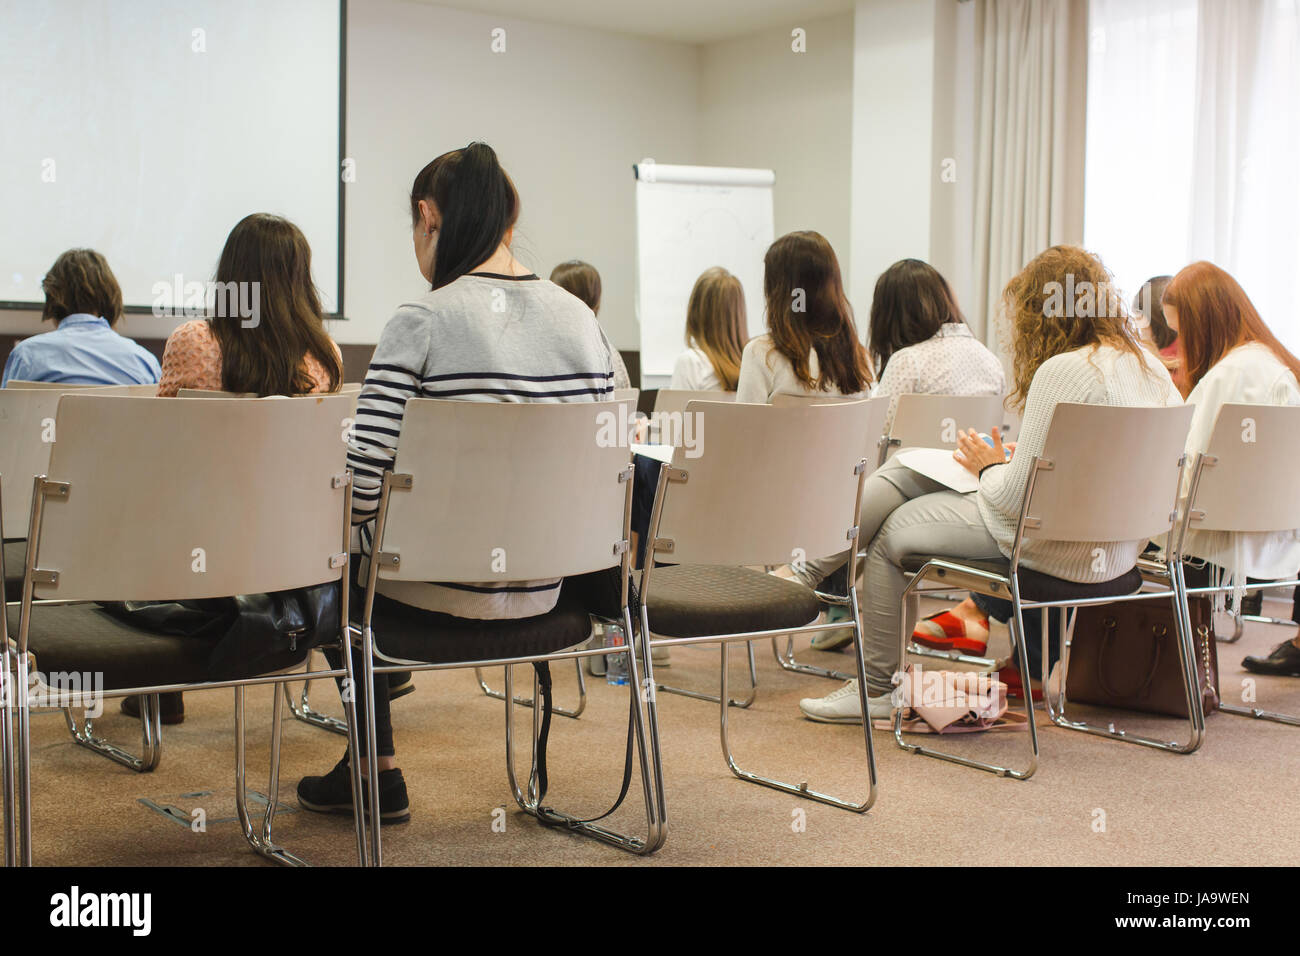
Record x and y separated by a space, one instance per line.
1093 801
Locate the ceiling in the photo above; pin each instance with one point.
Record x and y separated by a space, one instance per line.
686 21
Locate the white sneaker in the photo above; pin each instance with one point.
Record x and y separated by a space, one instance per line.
843 707
833 640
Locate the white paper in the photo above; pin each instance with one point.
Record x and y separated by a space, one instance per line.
662 453
939 465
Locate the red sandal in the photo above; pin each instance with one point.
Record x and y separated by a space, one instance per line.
1010 676
945 631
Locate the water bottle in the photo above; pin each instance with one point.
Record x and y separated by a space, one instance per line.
615 664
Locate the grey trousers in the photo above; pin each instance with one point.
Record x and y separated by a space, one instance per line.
903 513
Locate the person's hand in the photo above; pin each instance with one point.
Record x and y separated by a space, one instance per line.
973 453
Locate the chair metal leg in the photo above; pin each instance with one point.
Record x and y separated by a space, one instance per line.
801 789
260 841
647 752
1191 688
713 698
303 711
23 784
7 702
528 701
786 660
150 737
1018 644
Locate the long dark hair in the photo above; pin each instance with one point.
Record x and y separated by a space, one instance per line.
807 311
266 356
911 303
477 203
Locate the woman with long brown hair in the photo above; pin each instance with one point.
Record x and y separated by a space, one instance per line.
811 346
716 332
1065 349
266 333
1231 356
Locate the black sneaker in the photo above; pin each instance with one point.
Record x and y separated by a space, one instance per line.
332 793
1284 661
1252 604
399 684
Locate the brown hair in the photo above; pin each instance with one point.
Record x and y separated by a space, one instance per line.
1063 300
1148 303
716 323
807 311
1214 317
581 279
80 281
911 303
272 255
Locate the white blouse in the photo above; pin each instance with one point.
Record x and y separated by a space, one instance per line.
950 362
694 372
765 372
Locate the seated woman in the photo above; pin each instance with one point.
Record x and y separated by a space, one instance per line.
922 346
463 212
716 332
581 279
283 349
1231 356
811 346
1154 331
84 301
1059 355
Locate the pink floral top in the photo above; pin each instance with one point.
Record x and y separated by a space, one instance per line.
192 359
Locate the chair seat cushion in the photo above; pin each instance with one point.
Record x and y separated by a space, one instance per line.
15 561
83 638
692 600
1036 586
414 634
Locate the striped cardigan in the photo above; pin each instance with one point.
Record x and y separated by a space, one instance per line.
482 338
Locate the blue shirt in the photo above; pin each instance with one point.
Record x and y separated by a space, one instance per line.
83 350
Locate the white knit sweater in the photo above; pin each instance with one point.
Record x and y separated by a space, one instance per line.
1100 376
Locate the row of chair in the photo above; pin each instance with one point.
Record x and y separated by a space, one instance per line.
531 480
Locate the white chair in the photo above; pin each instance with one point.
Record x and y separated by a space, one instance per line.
57 386
771 483
517 492
932 421
1245 481
668 424
169 500
1106 473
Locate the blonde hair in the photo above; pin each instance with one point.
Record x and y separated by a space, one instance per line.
1063 300
716 323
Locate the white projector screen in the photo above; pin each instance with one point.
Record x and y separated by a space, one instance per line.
146 129
688 219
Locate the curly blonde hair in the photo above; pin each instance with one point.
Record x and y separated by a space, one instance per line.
1063 300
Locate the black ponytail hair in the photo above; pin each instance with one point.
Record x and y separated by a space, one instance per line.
478 205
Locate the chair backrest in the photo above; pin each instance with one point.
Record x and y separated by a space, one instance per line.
170 499
350 388
671 427
1248 481
627 395
149 390
509 491
773 484
932 421
57 386
1113 473
875 421
211 393
27 433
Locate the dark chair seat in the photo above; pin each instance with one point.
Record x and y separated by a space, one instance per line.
414 634
1036 586
691 600
15 561
82 638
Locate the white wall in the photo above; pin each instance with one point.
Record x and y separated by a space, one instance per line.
568 110
764 105
893 169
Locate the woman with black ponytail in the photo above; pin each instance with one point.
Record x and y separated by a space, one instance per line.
488 330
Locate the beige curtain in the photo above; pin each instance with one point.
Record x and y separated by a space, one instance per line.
1031 70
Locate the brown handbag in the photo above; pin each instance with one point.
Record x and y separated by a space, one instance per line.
1126 655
